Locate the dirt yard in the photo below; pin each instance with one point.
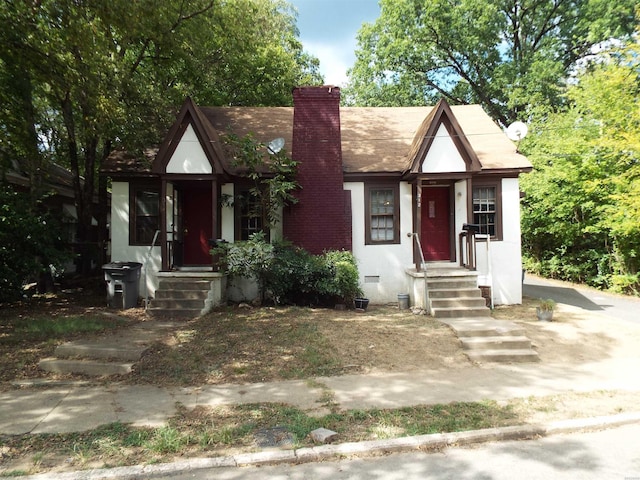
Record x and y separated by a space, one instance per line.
245 345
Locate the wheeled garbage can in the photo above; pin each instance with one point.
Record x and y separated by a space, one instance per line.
122 283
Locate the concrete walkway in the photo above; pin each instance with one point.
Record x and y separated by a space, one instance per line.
77 408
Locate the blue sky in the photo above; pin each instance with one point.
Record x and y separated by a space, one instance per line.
328 30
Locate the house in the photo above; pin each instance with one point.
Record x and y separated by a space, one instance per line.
403 188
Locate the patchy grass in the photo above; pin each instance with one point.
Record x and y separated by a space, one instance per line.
233 345
31 330
255 345
227 430
232 429
526 311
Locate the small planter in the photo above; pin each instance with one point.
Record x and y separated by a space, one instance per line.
544 310
361 303
544 315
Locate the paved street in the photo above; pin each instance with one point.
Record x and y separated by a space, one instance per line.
610 454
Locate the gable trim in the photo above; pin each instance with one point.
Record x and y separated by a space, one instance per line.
442 115
190 115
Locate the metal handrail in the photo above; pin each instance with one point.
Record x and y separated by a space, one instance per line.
472 255
423 266
489 266
144 265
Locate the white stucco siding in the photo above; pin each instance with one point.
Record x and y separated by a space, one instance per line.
506 261
227 220
443 156
381 267
121 251
460 212
189 157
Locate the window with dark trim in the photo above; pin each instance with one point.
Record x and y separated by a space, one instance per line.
144 217
382 214
249 215
487 208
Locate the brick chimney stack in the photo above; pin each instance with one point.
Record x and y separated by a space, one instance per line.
321 220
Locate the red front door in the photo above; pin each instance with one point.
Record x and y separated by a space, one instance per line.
435 231
197 226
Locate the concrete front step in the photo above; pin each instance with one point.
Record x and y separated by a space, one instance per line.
454 283
87 367
184 284
177 304
96 351
503 355
483 327
181 294
460 312
496 343
459 302
485 339
471 292
181 313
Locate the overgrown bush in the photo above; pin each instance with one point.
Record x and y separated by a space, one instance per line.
30 242
290 275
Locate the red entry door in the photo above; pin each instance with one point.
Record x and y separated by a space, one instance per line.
435 231
197 226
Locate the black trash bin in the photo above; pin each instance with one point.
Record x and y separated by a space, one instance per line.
122 281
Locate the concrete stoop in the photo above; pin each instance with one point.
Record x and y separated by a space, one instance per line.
186 295
454 292
105 356
489 340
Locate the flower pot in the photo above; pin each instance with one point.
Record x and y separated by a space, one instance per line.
361 303
544 315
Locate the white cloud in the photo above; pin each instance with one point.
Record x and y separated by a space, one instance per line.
335 59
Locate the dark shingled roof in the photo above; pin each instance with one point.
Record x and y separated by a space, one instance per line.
374 139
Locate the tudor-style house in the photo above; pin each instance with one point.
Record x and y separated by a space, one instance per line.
406 189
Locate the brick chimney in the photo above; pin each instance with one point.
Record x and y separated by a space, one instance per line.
321 220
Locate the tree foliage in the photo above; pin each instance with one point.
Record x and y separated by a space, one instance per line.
30 242
505 55
581 218
272 176
80 78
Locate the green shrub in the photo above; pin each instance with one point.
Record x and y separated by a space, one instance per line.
30 241
290 275
627 284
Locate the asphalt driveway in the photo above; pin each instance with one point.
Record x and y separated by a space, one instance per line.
616 306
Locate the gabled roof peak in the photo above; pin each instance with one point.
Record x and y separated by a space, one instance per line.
441 114
191 115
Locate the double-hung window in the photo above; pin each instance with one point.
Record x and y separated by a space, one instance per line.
249 215
382 214
486 209
144 215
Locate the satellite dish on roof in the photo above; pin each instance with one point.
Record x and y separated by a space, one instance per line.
517 131
275 145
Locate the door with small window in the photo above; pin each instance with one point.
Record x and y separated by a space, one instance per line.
197 226
435 221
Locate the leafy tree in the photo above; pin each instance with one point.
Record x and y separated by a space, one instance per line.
84 77
30 242
581 213
506 55
272 174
